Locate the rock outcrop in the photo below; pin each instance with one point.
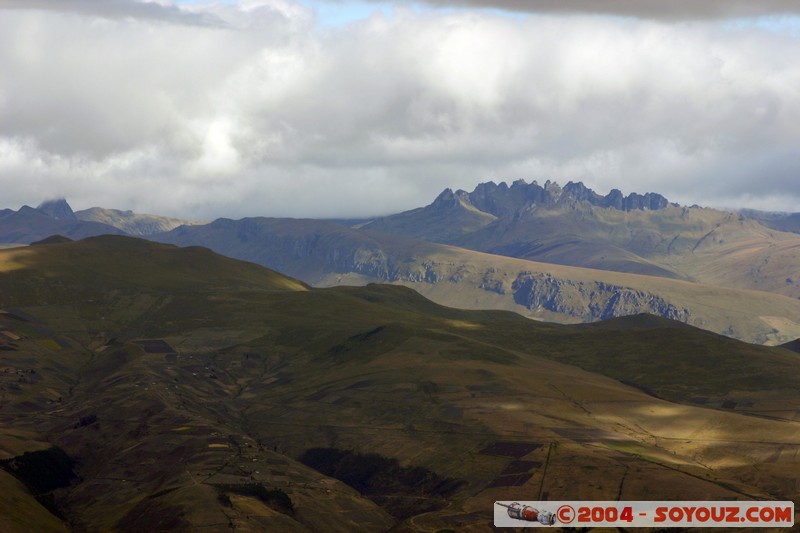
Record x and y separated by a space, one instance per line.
589 301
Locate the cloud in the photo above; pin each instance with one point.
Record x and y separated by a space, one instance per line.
652 9
276 114
114 9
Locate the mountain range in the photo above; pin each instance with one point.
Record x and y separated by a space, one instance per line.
148 387
56 217
642 234
564 254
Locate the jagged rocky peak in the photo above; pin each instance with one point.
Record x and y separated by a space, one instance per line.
650 200
581 193
616 199
500 199
58 209
448 198
553 188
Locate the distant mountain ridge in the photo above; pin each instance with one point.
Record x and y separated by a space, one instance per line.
637 233
452 215
136 224
56 217
30 224
546 223
509 247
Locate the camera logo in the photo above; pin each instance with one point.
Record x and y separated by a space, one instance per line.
529 514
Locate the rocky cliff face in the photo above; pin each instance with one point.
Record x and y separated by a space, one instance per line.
343 251
584 301
589 301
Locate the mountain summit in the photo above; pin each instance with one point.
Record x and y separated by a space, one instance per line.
452 215
58 209
501 200
637 234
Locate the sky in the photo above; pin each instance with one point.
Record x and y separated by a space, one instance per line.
336 108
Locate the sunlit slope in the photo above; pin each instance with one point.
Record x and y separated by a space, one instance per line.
242 379
466 279
693 243
100 263
582 235
708 245
743 254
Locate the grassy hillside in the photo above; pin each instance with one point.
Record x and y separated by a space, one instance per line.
193 391
98 264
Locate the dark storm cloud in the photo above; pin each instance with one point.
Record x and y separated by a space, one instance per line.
118 9
656 9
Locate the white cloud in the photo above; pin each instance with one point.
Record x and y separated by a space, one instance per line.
654 9
271 113
160 10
